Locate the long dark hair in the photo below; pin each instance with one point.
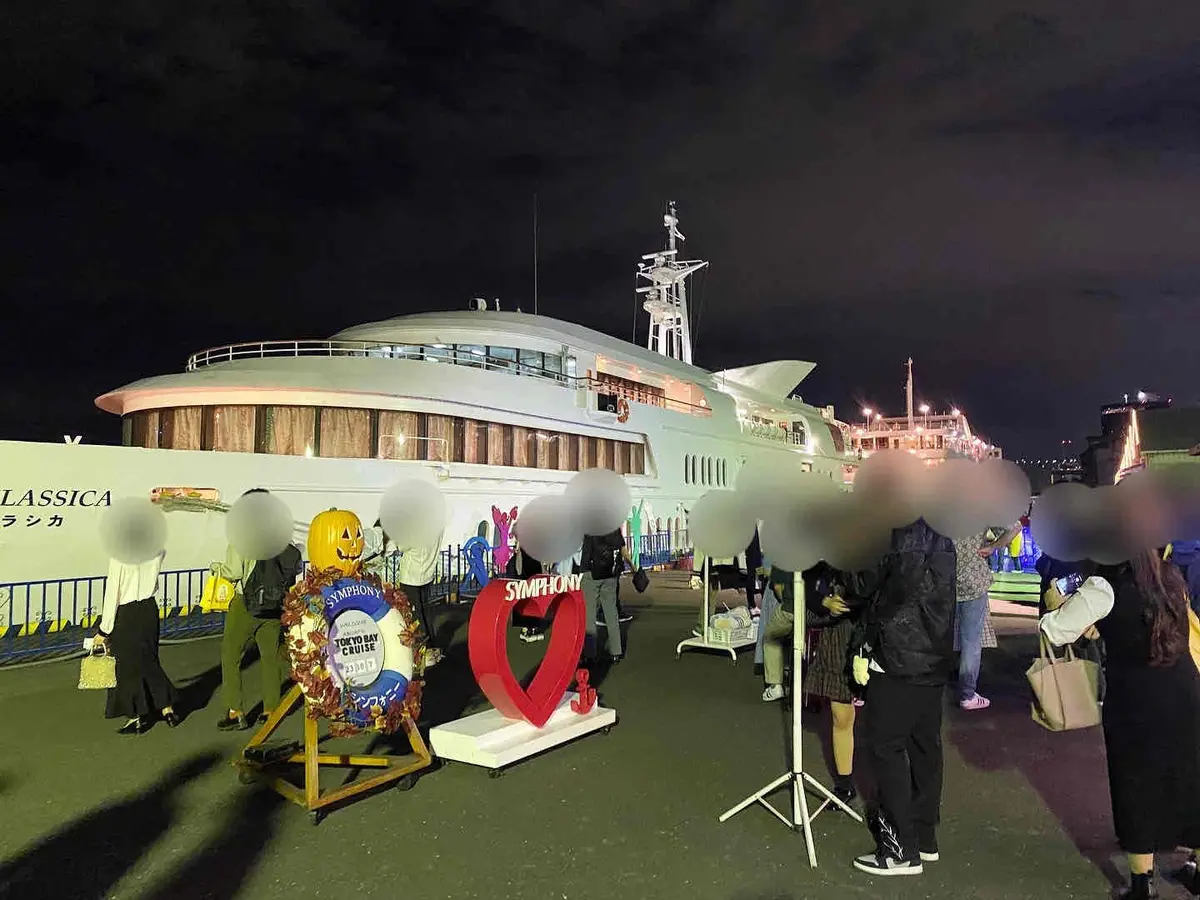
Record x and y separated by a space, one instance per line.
1164 593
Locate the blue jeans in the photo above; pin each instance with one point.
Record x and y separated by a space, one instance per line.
971 616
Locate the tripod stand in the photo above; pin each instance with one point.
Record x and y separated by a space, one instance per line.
797 779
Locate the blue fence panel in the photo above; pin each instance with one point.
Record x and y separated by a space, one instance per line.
48 618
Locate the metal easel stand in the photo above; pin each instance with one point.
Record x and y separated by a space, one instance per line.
705 642
797 778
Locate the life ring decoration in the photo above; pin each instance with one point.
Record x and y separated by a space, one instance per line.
622 410
355 647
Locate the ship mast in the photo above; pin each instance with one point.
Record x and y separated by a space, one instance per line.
911 423
670 327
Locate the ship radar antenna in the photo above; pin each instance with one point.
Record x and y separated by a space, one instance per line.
670 327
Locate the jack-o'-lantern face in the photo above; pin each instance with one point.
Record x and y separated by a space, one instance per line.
335 541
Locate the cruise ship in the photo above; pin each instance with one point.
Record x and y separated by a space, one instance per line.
931 435
495 407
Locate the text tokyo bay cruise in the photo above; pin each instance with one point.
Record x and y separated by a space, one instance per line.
495 407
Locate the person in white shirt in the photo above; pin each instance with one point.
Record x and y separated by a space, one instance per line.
415 572
129 629
1151 721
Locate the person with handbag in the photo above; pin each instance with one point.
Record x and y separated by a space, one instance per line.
129 630
253 617
1150 720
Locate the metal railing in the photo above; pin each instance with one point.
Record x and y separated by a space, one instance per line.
51 618
453 355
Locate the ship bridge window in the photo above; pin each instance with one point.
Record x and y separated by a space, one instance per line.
531 362
799 433
503 358
473 355
439 353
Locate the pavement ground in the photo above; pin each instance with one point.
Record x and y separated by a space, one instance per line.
633 814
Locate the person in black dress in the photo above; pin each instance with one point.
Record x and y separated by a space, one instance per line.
1151 721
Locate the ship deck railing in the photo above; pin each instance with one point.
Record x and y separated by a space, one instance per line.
468 356
51 618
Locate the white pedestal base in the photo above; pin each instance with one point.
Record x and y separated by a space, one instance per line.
699 643
492 740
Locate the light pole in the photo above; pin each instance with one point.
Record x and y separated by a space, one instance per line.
924 410
867 413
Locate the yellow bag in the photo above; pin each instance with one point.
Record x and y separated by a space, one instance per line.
216 595
1194 636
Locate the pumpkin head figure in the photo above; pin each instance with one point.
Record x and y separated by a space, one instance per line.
335 541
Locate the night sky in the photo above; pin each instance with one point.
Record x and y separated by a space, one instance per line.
1007 192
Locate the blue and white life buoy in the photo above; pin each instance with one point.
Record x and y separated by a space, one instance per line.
366 656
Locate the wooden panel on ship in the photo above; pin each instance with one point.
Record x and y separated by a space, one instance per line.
399 434
637 459
499 444
522 439
475 441
440 434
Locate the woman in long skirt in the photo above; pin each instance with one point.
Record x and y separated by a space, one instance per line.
1151 726
129 628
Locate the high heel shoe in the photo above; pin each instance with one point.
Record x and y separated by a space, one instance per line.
133 726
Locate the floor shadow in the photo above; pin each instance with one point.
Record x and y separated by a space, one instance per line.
86 858
197 692
1067 770
219 869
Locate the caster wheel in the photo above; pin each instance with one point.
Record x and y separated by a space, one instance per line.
245 777
407 783
314 817
495 773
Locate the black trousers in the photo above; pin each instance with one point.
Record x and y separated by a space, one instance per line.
904 738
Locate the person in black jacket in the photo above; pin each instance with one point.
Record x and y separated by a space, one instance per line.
903 646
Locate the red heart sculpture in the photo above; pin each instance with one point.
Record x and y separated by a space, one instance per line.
487 643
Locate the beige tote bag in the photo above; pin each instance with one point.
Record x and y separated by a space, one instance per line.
1066 691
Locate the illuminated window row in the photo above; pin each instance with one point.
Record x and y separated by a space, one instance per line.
343 433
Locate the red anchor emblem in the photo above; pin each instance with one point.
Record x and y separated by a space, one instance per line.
587 695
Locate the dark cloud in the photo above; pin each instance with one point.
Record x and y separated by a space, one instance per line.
994 189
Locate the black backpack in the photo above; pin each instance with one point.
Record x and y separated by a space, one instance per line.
269 582
602 558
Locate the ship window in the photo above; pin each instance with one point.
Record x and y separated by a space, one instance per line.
399 435
144 429
288 430
230 428
441 353
473 355
181 427
344 433
799 433
693 468
408 351
637 460
503 358
553 364
571 367
531 362
708 467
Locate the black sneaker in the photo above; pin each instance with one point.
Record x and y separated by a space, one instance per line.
889 857
624 617
930 853
881 863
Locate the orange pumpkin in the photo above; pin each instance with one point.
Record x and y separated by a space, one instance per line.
335 541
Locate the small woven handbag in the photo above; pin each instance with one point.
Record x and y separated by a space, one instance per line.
98 671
